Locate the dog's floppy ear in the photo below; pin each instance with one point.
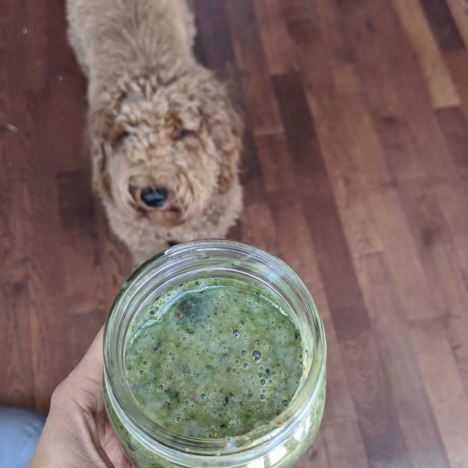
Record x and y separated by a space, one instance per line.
100 124
226 129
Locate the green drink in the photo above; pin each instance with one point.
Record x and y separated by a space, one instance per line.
215 358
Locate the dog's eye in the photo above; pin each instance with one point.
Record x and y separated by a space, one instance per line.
125 135
181 133
122 136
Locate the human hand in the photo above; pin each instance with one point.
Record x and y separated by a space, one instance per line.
77 433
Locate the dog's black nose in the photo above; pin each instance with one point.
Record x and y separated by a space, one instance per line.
154 197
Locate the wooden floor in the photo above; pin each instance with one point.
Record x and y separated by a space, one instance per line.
355 173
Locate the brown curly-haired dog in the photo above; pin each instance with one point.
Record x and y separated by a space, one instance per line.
165 140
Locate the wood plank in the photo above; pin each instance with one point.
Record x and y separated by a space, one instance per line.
32 45
49 314
404 261
218 53
344 296
401 153
444 388
251 171
345 445
15 348
368 153
261 106
327 104
411 96
294 9
8 33
214 36
415 414
375 405
83 274
254 195
63 115
16 373
457 63
441 266
374 72
453 210
338 149
275 162
352 8
258 227
256 219
456 219
459 11
442 25
446 271
337 48
257 223
355 211
64 110
346 79
216 47
454 126
275 38
440 86
340 405
49 321
394 85
369 156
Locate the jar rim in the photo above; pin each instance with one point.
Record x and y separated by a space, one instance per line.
150 430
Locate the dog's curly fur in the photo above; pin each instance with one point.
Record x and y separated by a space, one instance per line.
156 119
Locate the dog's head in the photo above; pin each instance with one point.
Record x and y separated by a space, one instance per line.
162 150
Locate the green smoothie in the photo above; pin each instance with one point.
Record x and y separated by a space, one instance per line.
214 358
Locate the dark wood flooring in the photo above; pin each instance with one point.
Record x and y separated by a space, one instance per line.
355 173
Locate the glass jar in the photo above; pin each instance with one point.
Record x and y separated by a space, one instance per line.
278 444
